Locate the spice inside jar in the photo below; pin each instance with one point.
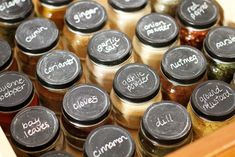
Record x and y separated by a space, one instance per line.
165 127
219 48
135 88
212 106
56 154
85 107
82 20
233 81
155 34
108 51
196 18
56 73
35 131
35 38
109 141
16 93
12 14
129 11
182 69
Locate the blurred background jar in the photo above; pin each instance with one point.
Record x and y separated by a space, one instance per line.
82 20
7 59
165 6
53 10
85 108
16 93
35 131
196 18
182 69
135 88
212 106
122 142
219 49
35 38
155 34
123 14
165 127
107 52
56 154
56 73
12 14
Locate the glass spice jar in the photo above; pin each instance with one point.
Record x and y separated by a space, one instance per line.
53 10
12 14
233 81
212 105
165 127
16 93
129 11
155 34
56 154
196 18
7 59
135 88
85 107
35 131
109 141
56 73
82 20
182 69
107 51
219 48
35 38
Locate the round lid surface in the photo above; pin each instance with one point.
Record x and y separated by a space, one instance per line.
157 30
214 100
57 154
166 122
128 5
86 104
109 47
34 128
120 139
5 53
198 13
16 91
184 64
136 83
86 16
56 2
37 35
59 69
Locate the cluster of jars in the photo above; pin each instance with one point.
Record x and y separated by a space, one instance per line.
134 78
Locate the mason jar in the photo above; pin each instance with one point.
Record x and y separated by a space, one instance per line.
165 6
129 11
182 69
135 88
56 73
155 34
212 106
107 51
219 49
165 127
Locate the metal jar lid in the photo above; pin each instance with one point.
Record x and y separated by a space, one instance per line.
6 54
128 6
56 3
56 154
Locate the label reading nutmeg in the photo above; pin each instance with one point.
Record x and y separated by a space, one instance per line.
10 4
85 15
196 10
184 61
158 26
109 45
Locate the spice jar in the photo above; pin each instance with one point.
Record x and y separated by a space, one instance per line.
233 81
56 154
182 69
35 38
12 13
219 48
53 10
16 93
196 18
129 11
165 127
107 52
155 34
165 6
7 59
36 130
109 141
212 105
82 20
56 73
135 88
85 107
